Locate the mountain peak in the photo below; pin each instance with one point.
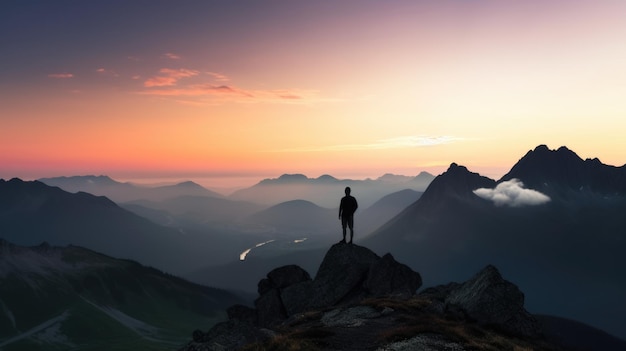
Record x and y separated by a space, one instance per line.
189 184
543 168
456 182
286 179
454 167
326 178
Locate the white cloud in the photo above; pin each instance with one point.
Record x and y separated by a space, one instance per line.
383 144
512 193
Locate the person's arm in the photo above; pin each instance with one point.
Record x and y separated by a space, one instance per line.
340 208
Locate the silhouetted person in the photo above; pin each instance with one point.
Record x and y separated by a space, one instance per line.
346 213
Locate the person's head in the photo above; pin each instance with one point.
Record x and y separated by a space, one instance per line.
348 190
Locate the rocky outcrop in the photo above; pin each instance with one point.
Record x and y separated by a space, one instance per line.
357 294
488 299
230 335
348 274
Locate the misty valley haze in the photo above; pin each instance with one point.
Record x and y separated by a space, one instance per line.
536 224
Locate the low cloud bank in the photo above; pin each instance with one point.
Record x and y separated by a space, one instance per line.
512 193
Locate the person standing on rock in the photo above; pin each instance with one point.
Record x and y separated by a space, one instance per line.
347 207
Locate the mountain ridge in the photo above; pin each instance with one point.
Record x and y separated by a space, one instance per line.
272 191
123 192
451 231
564 167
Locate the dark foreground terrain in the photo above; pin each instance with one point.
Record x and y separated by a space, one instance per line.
360 301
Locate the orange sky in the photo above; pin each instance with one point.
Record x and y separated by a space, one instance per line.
350 88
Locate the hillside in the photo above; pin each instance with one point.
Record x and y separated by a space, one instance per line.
68 298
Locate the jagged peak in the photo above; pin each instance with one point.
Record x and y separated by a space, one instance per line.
458 182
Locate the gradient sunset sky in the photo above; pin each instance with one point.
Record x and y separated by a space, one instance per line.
256 88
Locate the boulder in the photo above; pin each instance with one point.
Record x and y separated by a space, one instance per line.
242 313
342 273
270 308
387 277
285 276
264 286
348 273
297 298
490 300
230 335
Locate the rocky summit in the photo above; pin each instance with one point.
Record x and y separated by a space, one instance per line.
360 301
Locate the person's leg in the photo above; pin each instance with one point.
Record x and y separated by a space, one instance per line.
351 225
344 224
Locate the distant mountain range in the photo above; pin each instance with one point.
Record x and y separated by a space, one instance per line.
33 212
193 211
326 191
299 217
554 224
62 298
124 192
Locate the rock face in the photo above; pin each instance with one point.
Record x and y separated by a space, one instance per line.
336 297
348 273
388 277
269 305
490 300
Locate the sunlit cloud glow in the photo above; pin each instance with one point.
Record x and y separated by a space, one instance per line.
169 77
218 76
61 75
107 72
172 56
197 90
383 144
512 193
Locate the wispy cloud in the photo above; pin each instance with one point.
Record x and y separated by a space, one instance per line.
61 75
218 76
381 144
107 72
169 77
416 141
172 56
512 193
195 90
212 88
